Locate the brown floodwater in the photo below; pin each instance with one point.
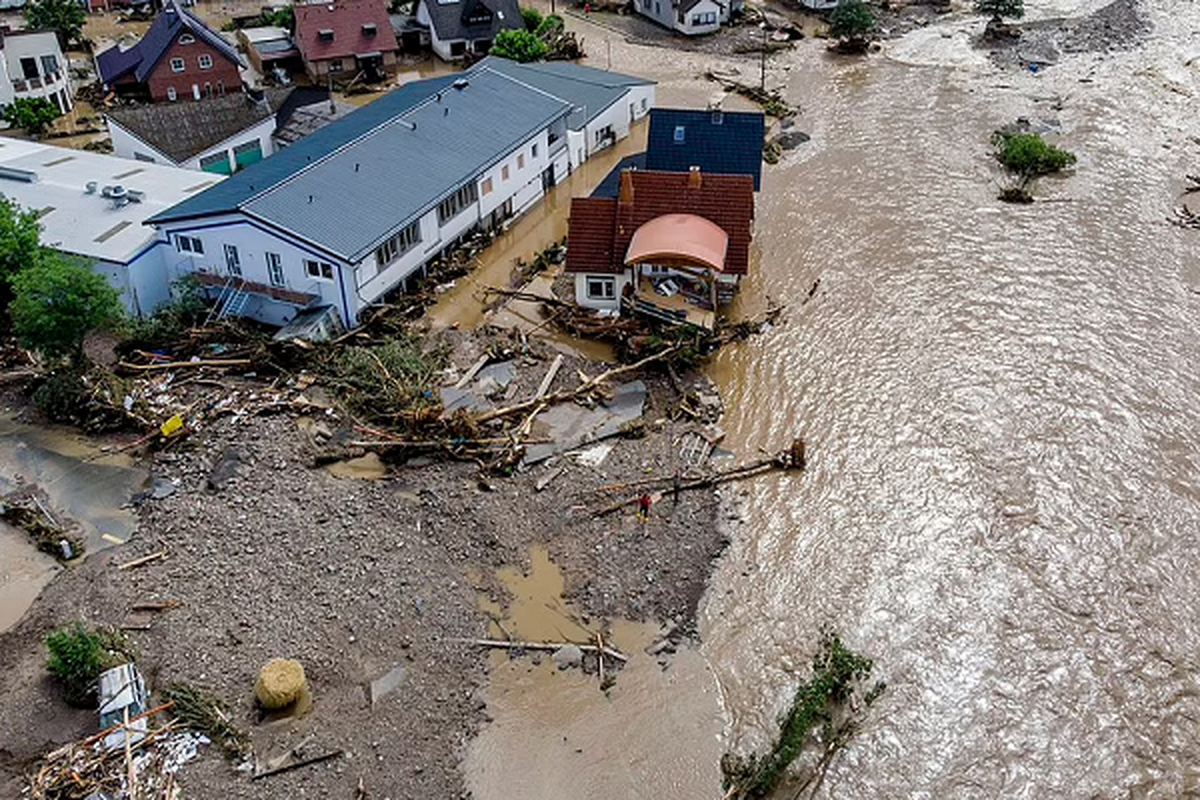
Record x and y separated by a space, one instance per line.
1002 407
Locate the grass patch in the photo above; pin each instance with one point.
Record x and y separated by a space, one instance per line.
78 655
200 711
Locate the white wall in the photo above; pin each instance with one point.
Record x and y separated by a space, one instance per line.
517 186
703 7
581 298
35 45
253 241
616 115
127 145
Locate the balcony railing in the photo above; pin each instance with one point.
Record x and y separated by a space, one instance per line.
302 299
41 82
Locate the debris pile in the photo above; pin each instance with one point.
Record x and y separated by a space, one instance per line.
143 769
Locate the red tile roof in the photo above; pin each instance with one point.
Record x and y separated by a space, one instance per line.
600 228
346 19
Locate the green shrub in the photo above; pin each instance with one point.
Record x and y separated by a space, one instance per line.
852 20
78 656
549 26
1029 155
519 45
33 114
532 18
57 302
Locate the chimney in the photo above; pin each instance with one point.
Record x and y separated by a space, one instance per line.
625 193
694 179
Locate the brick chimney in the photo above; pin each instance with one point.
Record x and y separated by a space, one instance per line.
625 193
694 179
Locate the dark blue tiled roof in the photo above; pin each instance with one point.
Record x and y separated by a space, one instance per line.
611 185
229 194
732 146
114 63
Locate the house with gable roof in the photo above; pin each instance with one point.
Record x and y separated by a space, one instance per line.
670 245
353 212
179 58
461 27
339 40
689 17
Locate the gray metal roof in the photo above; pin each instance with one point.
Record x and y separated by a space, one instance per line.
356 196
584 87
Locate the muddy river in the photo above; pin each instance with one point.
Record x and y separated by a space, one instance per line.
1002 406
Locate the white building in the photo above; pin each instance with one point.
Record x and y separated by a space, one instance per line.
689 17
33 66
216 134
459 27
95 206
603 104
352 212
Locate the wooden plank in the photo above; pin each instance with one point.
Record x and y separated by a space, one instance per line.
549 379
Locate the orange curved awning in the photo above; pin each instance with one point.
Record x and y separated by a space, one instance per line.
679 239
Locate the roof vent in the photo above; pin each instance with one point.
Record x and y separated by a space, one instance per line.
368 29
90 188
461 84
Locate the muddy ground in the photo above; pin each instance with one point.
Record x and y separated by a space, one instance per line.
354 577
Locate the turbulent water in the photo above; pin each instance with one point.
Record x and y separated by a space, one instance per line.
1002 406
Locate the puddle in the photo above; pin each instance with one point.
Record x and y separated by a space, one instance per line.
24 570
366 467
555 734
83 485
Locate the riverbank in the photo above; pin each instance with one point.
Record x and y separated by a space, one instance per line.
355 577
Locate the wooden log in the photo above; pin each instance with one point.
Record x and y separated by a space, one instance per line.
472 372
137 562
212 362
549 379
505 644
288 767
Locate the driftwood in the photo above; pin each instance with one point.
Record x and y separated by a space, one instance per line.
211 362
137 562
515 645
297 765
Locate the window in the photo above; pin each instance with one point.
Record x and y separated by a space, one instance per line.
398 245
487 186
504 172
176 65
232 262
325 34
172 95
643 104
679 134
452 205
49 65
29 68
208 90
533 151
318 269
275 269
718 117
705 19
205 61
335 65
143 157
601 288
520 161
457 49
189 244
187 38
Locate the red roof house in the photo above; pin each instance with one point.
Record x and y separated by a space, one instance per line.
339 40
673 245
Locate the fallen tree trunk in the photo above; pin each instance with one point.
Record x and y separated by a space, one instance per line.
505 644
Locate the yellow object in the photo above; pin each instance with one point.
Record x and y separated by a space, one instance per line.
172 426
280 683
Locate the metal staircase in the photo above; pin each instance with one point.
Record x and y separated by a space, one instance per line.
231 301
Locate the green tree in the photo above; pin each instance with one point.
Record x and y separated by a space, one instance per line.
548 27
532 18
57 302
76 657
1029 155
519 45
851 20
1014 9
33 114
65 17
282 18
19 246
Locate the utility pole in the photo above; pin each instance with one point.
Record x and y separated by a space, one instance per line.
762 64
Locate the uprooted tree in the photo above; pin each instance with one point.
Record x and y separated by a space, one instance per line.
823 710
1027 156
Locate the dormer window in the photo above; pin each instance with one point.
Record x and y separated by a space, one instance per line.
679 134
187 38
718 116
368 29
325 34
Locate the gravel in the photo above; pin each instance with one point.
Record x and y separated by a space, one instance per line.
353 578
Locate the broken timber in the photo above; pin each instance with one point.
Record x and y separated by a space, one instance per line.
505 644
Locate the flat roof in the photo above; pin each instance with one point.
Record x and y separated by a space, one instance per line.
53 182
266 33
